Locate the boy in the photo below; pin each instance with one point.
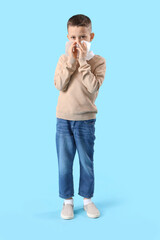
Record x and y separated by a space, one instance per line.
78 77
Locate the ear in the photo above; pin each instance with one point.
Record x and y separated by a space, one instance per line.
91 36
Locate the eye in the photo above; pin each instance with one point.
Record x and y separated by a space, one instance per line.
72 37
84 36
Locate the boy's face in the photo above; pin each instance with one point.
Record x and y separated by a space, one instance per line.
77 34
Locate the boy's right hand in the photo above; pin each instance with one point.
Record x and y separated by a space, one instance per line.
72 51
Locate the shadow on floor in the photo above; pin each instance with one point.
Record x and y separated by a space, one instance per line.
78 210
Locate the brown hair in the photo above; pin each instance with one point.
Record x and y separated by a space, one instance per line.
79 20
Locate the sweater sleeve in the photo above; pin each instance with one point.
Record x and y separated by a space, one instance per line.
93 81
64 70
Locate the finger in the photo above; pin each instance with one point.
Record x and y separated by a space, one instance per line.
73 44
84 45
80 47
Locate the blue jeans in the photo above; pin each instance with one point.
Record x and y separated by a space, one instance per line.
72 135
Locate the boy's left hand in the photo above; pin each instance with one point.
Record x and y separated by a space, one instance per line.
82 50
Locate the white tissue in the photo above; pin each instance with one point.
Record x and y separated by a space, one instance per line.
90 54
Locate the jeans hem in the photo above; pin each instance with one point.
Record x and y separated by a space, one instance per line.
85 195
66 196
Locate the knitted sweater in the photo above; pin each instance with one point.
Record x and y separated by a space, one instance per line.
78 82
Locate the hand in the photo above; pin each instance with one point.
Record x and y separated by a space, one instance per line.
82 49
72 51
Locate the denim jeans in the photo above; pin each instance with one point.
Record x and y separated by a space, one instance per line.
72 135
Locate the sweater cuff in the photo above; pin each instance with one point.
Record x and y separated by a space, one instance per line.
82 61
71 61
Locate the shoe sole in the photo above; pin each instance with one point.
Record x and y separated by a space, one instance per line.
66 217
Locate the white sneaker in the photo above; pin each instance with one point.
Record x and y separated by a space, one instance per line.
67 211
91 210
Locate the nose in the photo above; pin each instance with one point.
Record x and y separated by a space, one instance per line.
78 41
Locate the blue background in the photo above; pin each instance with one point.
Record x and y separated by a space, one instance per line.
127 147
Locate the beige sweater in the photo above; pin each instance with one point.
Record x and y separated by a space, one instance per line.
78 83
